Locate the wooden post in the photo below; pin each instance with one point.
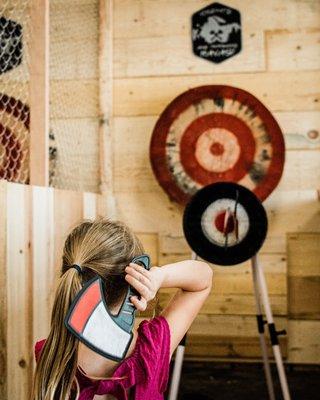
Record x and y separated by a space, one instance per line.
3 292
106 105
39 92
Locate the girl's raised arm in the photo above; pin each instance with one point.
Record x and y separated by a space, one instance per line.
192 278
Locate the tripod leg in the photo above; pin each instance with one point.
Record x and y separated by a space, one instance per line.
176 374
272 330
262 338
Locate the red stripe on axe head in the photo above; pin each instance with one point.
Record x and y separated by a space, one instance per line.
85 307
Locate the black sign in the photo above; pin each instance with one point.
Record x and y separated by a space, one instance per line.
216 32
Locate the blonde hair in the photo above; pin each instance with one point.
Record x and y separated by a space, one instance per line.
100 247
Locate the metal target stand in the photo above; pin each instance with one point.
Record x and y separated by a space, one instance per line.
229 221
262 299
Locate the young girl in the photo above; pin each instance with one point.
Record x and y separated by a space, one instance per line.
66 368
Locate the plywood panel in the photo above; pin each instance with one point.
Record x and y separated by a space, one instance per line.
293 50
143 18
136 96
303 254
301 129
19 284
89 205
304 275
273 256
304 341
42 259
230 304
292 211
141 212
150 244
301 170
230 347
304 297
231 336
172 55
68 212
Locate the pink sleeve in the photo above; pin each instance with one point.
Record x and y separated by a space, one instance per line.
37 348
154 351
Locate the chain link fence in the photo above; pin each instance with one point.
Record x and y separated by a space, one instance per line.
74 93
14 91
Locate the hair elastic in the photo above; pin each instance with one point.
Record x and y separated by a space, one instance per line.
77 267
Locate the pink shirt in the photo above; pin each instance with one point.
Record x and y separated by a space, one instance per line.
146 371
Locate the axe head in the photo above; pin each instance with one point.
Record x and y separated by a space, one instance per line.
90 320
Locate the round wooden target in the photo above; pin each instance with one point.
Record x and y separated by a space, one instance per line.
14 139
216 134
225 223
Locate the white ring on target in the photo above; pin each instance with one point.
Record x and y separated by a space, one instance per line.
208 222
205 107
230 150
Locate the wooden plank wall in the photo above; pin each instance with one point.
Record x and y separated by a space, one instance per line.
34 224
279 64
304 296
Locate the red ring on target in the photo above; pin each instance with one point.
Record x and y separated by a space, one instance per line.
8 139
189 141
261 182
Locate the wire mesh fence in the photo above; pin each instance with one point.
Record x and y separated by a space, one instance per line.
74 93
14 91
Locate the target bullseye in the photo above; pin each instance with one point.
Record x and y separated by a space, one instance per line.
216 134
224 223
217 150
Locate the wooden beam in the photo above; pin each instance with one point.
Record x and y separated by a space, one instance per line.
39 93
3 292
106 103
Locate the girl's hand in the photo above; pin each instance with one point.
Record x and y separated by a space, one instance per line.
146 283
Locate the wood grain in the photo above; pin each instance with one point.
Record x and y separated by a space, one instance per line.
42 260
174 56
19 281
39 93
231 304
293 50
304 343
3 292
304 276
150 244
144 18
150 95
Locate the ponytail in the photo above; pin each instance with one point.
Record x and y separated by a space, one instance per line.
101 247
55 371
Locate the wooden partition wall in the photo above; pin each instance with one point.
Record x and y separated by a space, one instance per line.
34 223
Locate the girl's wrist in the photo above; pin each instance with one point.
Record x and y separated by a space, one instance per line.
158 273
